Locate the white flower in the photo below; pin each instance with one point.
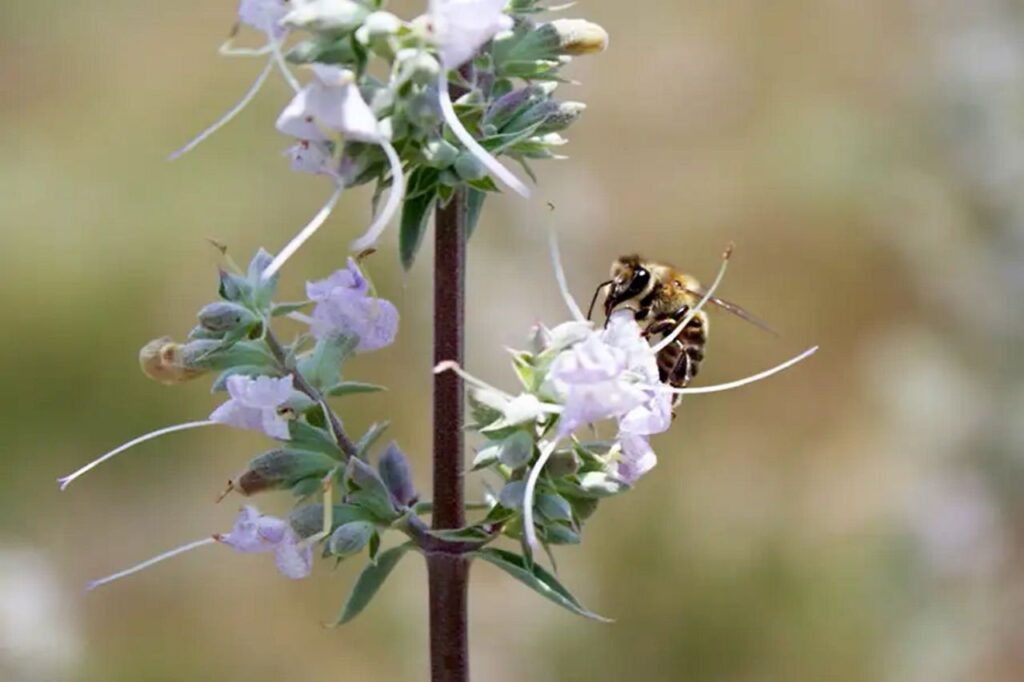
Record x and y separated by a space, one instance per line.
256 404
461 27
607 375
333 100
264 15
311 156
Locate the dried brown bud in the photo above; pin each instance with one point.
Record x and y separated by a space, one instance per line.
160 360
579 36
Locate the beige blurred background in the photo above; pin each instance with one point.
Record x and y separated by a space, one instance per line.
858 518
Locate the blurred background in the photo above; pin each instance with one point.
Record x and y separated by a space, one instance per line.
860 517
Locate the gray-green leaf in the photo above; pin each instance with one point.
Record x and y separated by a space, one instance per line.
537 579
370 581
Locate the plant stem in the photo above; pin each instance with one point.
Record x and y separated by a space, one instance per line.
449 573
344 442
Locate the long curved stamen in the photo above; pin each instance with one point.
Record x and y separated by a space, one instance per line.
528 493
226 50
304 234
232 112
66 480
452 366
481 154
395 195
743 382
563 286
300 317
700 304
282 65
149 562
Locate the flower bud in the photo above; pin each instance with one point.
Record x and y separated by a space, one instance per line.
423 111
378 26
397 476
280 468
350 538
416 65
162 360
563 463
439 153
579 36
224 316
329 16
564 115
468 167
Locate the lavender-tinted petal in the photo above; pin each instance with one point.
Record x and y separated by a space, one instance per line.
293 560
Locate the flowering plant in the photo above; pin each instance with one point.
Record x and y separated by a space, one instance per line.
467 82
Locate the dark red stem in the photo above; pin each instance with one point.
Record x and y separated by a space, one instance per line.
449 573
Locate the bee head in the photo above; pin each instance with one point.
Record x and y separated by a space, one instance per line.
631 279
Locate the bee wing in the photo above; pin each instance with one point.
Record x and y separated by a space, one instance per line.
737 311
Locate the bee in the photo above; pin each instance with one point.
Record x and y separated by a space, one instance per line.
661 297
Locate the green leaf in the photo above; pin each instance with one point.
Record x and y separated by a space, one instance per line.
279 309
516 450
486 456
322 367
370 581
371 492
474 206
353 387
220 356
537 578
370 437
415 217
554 507
308 437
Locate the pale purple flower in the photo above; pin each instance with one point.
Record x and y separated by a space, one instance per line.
461 27
255 533
637 457
344 306
605 375
333 100
256 404
264 15
312 156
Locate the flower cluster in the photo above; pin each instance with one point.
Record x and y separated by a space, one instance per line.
575 376
407 133
282 392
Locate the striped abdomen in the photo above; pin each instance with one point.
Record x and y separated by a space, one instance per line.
679 362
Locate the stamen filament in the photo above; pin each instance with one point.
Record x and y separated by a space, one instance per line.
529 531
149 562
234 111
481 154
66 480
395 195
282 65
452 366
743 382
563 286
304 234
661 345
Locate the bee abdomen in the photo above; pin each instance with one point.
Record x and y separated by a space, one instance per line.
679 362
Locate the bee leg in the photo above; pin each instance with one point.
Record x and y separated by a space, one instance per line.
659 327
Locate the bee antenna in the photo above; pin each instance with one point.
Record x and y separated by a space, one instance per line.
602 285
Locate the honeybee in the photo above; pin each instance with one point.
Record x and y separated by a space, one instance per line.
660 297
